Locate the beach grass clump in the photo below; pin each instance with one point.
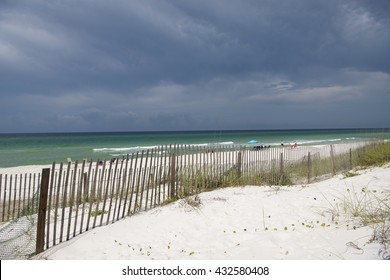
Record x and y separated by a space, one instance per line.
381 235
365 205
349 174
374 154
271 177
296 171
97 213
206 179
303 170
367 208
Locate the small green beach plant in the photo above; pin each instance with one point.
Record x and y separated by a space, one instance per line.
350 174
97 213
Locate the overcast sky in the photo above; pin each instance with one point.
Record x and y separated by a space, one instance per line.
123 65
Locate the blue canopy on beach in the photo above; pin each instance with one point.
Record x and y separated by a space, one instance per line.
252 142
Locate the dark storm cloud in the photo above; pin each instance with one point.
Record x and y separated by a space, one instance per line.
144 65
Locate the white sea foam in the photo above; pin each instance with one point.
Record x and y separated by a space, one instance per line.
108 150
226 143
126 149
303 142
123 150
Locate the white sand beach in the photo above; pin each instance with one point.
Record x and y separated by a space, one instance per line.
302 222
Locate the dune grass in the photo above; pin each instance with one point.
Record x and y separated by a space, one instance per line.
374 154
206 178
366 207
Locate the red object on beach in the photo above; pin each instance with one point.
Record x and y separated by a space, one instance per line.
294 145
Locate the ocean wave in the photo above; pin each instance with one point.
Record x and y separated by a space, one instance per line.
117 151
211 144
125 149
226 143
109 150
303 142
300 142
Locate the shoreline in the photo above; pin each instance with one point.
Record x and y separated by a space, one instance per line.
46 148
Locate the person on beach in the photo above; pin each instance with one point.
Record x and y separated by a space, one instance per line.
294 145
281 143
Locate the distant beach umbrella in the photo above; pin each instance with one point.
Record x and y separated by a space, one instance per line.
252 142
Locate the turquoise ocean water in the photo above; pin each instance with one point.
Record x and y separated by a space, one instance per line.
28 149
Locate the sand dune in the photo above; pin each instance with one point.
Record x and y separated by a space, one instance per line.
296 222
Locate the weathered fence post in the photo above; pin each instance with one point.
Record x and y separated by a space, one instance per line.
350 158
332 161
308 168
172 176
281 169
42 210
86 186
239 164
